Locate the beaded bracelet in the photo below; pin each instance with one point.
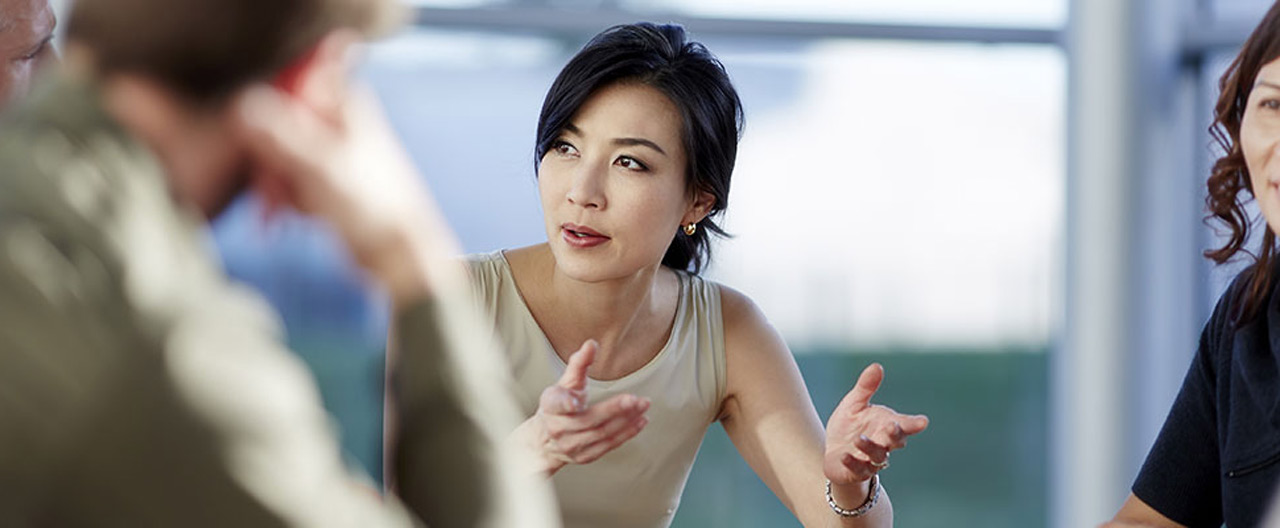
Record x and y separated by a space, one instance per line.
872 497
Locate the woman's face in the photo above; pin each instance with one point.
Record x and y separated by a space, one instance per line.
1260 141
613 184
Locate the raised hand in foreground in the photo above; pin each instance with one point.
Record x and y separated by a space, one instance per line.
860 435
566 430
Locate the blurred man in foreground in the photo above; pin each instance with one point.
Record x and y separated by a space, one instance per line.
138 387
26 44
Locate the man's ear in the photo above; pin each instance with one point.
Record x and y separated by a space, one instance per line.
320 77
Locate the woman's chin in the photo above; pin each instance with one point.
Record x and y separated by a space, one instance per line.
586 267
1269 204
573 264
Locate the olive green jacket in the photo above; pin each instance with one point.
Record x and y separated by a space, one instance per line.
139 387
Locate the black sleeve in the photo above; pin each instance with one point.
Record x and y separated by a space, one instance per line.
1181 477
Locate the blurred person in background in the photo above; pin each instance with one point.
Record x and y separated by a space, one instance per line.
138 386
26 44
1217 458
636 142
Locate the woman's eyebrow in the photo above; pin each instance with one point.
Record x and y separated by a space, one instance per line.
628 141
624 141
1271 85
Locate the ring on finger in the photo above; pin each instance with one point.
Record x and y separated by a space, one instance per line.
880 466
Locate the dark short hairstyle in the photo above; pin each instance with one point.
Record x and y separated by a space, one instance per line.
207 49
1229 177
661 56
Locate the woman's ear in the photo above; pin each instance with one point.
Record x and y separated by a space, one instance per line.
699 207
320 78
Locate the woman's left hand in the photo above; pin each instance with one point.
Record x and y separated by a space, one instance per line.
861 435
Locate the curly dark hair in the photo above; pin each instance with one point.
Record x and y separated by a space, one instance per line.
1229 178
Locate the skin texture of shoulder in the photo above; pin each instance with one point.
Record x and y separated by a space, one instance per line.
525 259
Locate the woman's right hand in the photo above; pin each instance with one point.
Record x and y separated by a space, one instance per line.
566 430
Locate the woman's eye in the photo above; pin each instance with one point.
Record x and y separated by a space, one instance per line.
630 163
1270 104
564 149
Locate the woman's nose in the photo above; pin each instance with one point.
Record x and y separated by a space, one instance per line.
587 186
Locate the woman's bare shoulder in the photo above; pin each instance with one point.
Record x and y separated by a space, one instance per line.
741 315
527 254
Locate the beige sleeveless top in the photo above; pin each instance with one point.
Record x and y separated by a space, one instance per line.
639 483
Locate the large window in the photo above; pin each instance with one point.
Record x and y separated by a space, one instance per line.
892 193
993 13
895 201
1238 10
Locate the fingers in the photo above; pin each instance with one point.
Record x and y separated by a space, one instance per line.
616 423
865 458
287 143
913 424
860 436
575 442
861 469
610 442
890 435
622 405
893 429
875 445
876 453
557 400
868 383
851 469
575 373
586 436
275 130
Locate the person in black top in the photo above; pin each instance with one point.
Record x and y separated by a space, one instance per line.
1217 459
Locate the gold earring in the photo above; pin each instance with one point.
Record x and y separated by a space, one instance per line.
691 228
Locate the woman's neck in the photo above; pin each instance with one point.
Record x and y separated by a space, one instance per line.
629 316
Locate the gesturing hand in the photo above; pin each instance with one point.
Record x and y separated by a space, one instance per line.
861 435
565 430
336 158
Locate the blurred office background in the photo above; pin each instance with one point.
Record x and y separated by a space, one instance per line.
999 200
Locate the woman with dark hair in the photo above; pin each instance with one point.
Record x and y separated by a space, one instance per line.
1217 459
636 143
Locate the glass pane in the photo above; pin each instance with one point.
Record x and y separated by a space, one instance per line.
466 105
912 193
897 193
1026 13
455 3
893 202
987 13
1249 11
1215 233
